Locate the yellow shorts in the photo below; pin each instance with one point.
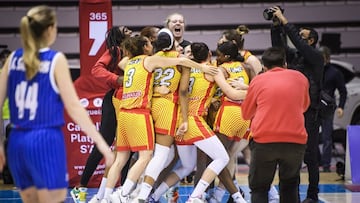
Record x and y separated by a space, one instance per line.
165 114
135 130
198 129
229 121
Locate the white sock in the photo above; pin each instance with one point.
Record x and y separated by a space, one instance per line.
199 189
127 187
145 190
101 191
108 192
237 197
219 193
163 187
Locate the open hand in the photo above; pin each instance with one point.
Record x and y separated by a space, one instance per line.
339 112
238 84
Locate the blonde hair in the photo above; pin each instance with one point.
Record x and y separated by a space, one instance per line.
167 20
32 27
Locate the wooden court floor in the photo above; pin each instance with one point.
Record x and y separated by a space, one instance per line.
332 189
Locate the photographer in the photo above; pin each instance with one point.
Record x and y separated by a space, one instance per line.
309 61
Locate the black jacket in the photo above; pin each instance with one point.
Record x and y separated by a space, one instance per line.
305 58
334 79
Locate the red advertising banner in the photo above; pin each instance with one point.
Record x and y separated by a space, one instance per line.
95 18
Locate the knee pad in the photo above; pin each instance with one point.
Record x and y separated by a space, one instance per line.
170 157
217 165
156 164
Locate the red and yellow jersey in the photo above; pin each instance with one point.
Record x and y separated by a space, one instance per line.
236 70
168 77
201 91
137 86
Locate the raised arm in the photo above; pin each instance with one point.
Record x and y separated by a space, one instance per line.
276 35
310 53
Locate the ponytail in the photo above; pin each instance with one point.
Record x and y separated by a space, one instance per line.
32 27
31 47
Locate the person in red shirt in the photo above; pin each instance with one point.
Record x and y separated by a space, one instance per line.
276 102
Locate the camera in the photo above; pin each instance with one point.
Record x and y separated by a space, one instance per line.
269 14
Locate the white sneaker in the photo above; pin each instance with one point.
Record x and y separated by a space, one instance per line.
239 200
117 197
195 200
124 199
104 201
137 200
135 192
79 194
273 195
199 199
114 198
94 199
75 194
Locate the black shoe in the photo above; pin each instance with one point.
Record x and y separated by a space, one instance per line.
309 200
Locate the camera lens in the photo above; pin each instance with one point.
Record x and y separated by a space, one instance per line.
268 14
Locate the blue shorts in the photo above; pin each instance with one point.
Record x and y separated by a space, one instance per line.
36 157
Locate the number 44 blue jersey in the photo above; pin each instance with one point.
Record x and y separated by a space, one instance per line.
34 103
